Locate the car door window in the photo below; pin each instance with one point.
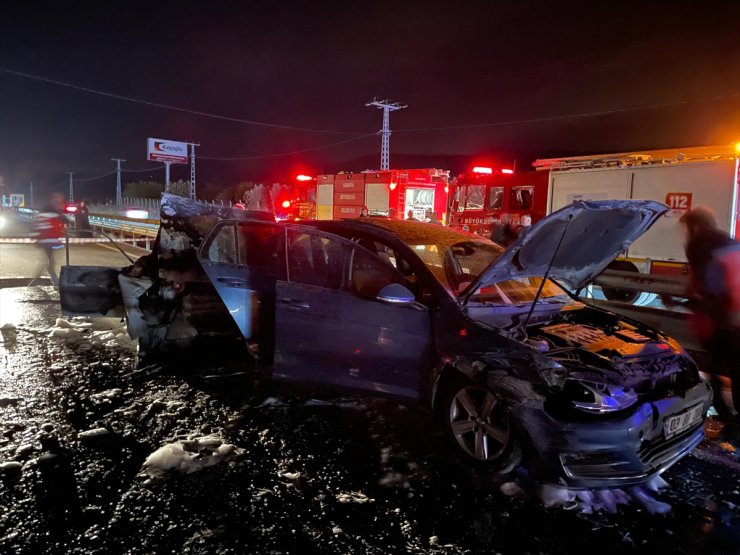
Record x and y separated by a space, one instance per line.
369 274
258 246
223 246
318 260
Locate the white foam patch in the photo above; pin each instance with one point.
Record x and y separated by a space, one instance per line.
109 332
354 497
106 395
96 432
189 456
595 500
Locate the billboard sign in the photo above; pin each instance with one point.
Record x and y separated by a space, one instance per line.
160 150
14 200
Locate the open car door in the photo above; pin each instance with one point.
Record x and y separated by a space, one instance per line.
307 302
90 291
241 259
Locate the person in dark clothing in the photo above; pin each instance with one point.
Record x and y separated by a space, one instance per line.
82 220
713 295
504 233
410 217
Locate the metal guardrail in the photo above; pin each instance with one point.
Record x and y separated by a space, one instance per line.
650 283
148 227
139 233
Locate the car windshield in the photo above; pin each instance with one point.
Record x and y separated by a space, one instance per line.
455 258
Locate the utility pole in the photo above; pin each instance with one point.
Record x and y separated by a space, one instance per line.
192 169
387 107
167 176
119 198
71 188
30 200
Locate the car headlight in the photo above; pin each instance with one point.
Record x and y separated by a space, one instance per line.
597 397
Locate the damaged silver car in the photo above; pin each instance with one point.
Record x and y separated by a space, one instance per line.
518 369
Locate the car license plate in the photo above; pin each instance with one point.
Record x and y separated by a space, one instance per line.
674 425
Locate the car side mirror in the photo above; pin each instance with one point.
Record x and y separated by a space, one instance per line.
395 293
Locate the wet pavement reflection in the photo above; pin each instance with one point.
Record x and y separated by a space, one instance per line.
100 454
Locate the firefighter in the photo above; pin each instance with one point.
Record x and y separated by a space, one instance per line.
714 296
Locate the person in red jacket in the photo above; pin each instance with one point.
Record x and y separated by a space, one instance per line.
48 230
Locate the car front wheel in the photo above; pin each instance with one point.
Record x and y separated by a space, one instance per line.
479 429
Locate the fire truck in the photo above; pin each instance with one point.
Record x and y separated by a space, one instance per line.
389 193
295 201
486 196
682 178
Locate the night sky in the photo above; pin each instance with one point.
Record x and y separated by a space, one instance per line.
498 80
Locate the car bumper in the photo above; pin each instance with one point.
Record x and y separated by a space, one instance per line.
618 450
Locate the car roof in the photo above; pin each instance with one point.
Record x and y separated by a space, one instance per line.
408 232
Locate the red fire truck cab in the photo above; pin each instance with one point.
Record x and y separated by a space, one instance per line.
486 196
295 201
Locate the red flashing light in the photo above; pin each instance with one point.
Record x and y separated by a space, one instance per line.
507 171
482 169
71 208
463 332
447 189
393 186
302 177
286 204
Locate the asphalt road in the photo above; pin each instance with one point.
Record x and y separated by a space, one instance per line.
27 260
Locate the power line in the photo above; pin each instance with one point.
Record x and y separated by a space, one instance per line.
567 116
173 108
155 169
97 176
262 157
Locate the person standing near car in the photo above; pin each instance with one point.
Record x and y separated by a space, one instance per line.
714 296
503 233
82 220
48 231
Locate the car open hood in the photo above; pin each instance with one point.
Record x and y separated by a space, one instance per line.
593 232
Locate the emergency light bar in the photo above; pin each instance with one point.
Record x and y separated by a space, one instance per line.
302 177
507 171
482 169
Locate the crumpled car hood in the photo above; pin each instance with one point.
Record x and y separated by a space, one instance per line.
593 234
